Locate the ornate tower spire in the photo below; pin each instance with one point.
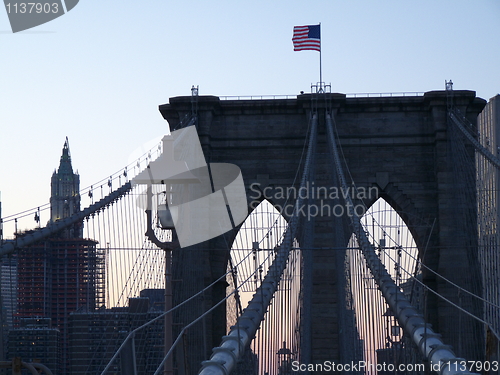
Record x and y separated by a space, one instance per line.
65 187
65 164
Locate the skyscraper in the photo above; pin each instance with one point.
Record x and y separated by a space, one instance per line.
8 289
65 272
488 193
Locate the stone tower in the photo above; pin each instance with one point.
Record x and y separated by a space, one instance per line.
65 197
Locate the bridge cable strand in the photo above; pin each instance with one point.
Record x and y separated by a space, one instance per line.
490 258
420 264
225 357
260 236
438 294
408 317
135 331
117 229
475 174
411 275
463 124
178 342
9 247
242 286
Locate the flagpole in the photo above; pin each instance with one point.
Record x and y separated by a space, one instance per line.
309 38
320 69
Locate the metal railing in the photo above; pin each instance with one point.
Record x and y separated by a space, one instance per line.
349 95
383 94
257 97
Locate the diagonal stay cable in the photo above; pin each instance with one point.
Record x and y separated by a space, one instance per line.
460 121
410 276
421 264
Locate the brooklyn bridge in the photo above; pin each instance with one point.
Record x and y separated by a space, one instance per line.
303 234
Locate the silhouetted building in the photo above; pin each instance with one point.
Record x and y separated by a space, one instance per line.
488 123
96 336
8 289
35 341
59 276
488 182
156 298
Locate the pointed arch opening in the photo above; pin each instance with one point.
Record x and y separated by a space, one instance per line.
253 250
381 336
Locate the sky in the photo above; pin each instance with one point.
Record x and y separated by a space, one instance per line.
98 73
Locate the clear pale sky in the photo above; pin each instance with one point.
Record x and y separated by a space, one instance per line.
98 73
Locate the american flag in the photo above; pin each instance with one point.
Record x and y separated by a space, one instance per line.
306 38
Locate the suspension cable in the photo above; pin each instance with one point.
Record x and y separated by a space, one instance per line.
461 122
31 238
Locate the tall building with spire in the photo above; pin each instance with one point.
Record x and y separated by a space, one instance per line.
65 193
61 274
